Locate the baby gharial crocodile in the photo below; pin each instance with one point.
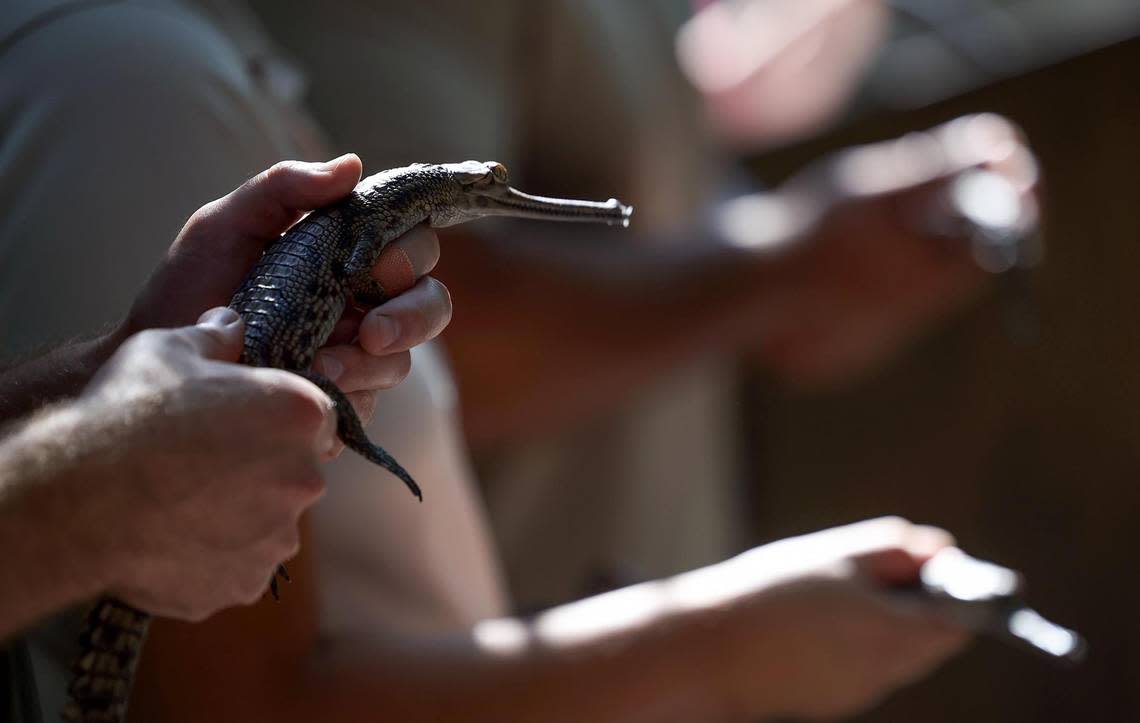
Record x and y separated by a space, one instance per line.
291 300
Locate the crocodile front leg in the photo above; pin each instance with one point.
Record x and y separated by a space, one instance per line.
366 291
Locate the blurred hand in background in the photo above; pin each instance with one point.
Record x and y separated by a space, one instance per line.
774 71
824 638
805 627
865 252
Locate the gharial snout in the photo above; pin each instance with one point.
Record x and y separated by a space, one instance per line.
507 201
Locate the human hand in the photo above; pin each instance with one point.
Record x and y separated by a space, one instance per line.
772 71
369 349
204 467
807 627
870 264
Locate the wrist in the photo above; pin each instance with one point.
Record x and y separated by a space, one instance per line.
102 519
74 488
59 374
87 357
102 347
636 655
730 612
58 551
701 643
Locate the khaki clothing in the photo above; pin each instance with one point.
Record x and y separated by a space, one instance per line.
119 119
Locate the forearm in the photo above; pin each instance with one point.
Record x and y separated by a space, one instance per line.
59 374
638 655
655 666
569 328
52 559
655 670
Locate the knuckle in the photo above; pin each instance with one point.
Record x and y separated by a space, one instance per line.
253 184
136 346
290 544
200 218
252 590
306 409
281 171
151 338
217 336
187 341
310 488
249 588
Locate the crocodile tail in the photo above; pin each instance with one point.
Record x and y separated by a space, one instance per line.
351 432
109 647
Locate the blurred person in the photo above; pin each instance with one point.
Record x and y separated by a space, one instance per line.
160 471
826 277
399 618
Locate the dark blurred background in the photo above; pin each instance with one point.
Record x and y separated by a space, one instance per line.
1029 452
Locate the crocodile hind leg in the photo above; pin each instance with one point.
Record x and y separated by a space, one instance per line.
351 432
109 647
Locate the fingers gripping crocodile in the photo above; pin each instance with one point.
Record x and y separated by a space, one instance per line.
291 301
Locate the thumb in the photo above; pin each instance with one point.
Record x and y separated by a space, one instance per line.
269 203
218 335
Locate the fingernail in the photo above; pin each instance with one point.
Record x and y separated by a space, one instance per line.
219 316
330 165
330 366
388 329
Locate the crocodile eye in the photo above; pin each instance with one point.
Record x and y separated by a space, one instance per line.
499 171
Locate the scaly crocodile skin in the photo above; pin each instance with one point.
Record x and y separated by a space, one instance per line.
291 301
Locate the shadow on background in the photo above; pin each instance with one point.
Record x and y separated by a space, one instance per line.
1030 454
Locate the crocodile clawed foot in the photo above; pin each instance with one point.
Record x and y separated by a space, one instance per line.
282 573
